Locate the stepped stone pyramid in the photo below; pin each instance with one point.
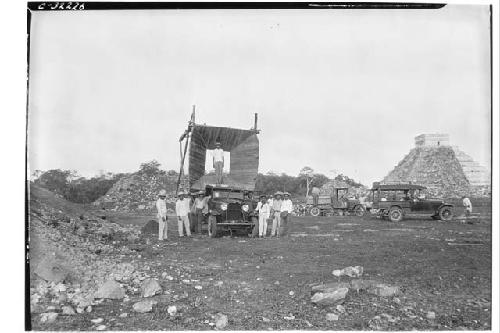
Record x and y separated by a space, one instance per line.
444 169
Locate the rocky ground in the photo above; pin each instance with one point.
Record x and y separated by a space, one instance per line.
331 273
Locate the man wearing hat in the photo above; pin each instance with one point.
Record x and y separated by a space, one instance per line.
161 207
182 207
467 205
199 205
218 162
264 210
275 213
286 210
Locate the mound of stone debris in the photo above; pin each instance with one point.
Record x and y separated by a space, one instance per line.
71 253
138 192
352 190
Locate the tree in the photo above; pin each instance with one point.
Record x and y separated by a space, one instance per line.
56 180
150 168
307 174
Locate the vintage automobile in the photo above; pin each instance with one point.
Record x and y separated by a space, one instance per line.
396 201
230 210
231 207
339 203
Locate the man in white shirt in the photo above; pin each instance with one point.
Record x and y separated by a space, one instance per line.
275 214
161 208
182 208
286 211
264 211
467 205
218 162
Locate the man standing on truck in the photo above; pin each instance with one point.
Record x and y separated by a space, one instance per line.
182 207
218 162
161 207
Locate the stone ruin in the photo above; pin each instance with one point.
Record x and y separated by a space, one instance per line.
444 169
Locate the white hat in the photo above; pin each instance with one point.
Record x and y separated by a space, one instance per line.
162 192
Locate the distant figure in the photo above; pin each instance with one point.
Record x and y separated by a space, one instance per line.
467 205
315 194
182 207
264 211
161 207
218 162
286 210
275 214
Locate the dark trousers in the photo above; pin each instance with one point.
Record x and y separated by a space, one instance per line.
285 224
199 220
315 199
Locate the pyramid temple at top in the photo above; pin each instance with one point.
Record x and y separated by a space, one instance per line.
443 168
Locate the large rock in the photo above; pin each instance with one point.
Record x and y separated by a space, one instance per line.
329 287
384 290
51 269
144 306
358 284
110 289
351 271
220 321
150 287
329 298
48 317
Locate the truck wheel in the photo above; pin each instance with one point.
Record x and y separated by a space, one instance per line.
255 229
212 226
315 211
359 211
445 213
395 214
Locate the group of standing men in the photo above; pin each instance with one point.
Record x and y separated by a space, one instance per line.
277 209
185 211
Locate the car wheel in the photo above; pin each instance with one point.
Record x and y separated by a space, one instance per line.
359 211
395 214
445 213
255 229
315 211
212 226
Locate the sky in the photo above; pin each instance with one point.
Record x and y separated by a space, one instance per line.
340 91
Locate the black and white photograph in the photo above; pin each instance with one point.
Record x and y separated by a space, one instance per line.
260 166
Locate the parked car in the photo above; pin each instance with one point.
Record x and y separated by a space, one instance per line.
339 203
396 201
231 209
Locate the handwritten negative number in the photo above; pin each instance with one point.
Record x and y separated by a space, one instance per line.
62 5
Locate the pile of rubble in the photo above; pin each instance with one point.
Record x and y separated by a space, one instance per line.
71 253
439 170
329 187
139 192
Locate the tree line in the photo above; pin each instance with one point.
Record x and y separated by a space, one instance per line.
75 188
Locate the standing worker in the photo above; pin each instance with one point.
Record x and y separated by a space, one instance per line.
218 162
264 211
467 205
286 211
315 194
275 214
161 207
182 207
199 205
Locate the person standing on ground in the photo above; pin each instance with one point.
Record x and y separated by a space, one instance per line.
286 211
264 210
182 207
315 194
199 204
467 206
218 161
161 207
275 214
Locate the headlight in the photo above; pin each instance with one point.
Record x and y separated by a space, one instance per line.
223 206
245 208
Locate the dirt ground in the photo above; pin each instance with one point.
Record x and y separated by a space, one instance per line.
265 284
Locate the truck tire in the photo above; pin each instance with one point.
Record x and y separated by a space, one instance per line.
445 213
255 229
212 226
315 211
395 214
359 211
